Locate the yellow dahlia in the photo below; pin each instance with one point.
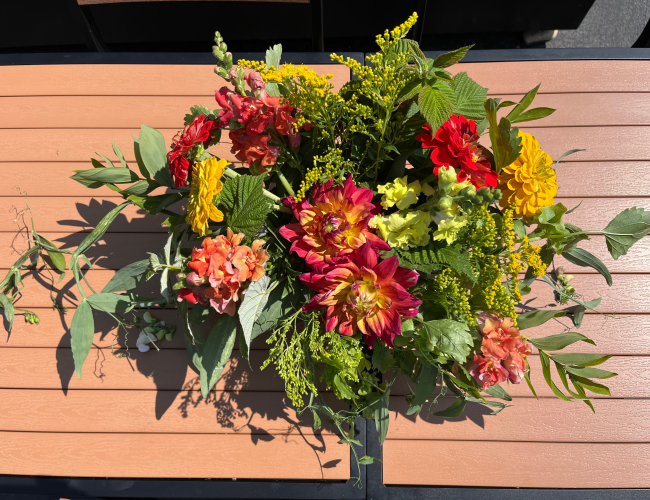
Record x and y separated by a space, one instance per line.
205 185
529 183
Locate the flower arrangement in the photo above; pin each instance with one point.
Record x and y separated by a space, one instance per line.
387 230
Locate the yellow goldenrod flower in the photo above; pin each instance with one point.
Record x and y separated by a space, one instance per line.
399 193
403 230
205 185
529 183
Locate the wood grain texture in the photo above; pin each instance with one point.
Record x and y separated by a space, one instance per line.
265 414
623 143
167 370
127 79
168 111
586 179
588 109
545 420
173 455
518 77
538 465
596 213
633 380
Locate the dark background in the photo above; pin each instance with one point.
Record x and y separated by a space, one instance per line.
348 25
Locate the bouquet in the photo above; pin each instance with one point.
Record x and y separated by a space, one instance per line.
387 230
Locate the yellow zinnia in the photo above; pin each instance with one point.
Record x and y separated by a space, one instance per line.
205 185
529 183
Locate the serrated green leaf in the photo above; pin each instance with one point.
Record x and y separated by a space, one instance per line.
531 319
582 258
82 332
560 341
128 277
382 359
435 104
626 229
451 58
469 97
198 110
435 253
7 309
256 298
153 152
279 305
244 204
424 389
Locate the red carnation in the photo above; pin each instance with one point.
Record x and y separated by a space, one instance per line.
456 144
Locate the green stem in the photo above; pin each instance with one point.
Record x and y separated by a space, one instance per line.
285 183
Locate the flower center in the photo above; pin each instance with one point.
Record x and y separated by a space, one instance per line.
332 227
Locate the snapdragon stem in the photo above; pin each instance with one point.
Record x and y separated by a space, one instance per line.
285 183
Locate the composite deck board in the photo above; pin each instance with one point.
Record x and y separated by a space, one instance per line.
63 215
625 334
538 465
615 421
157 412
630 293
72 112
227 456
144 80
169 370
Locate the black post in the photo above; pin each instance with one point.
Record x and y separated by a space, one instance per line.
86 22
418 29
317 34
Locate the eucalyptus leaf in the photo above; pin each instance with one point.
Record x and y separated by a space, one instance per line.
82 332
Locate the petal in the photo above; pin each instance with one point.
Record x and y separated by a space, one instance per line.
386 269
366 256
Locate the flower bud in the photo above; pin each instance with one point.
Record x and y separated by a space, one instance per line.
169 336
160 334
193 279
445 203
559 271
254 80
570 290
149 318
568 278
446 177
181 276
496 194
150 329
468 192
221 72
484 192
217 53
232 74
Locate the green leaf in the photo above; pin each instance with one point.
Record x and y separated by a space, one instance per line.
155 204
198 110
110 302
382 419
245 206
570 152
256 298
217 351
454 410
199 314
469 97
425 388
273 55
138 158
526 101
343 389
410 90
559 341
590 385
546 370
190 338
56 257
451 58
582 258
382 359
533 114
82 332
141 188
120 156
279 305
154 155
435 104
528 381
8 310
97 233
588 372
117 175
128 277
626 229
506 145
580 359
519 227
498 392
531 319
438 253
449 337
366 460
